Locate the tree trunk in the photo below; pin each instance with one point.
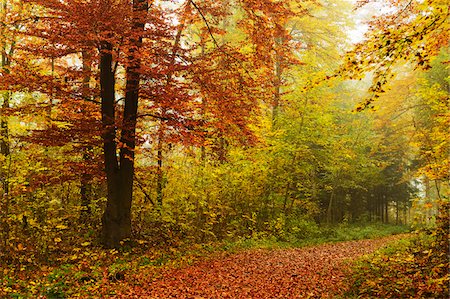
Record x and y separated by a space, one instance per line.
86 188
330 208
159 172
112 232
6 95
386 209
278 39
4 130
86 178
396 212
380 208
119 174
5 149
286 197
277 91
5 172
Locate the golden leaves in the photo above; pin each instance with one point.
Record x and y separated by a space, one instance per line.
408 36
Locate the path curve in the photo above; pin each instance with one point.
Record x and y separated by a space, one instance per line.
310 272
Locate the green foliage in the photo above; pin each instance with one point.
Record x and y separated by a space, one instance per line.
414 268
304 232
57 282
433 120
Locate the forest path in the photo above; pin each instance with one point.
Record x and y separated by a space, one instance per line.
309 272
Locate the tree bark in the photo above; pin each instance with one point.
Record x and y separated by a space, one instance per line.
277 91
86 177
4 130
386 209
159 172
330 208
5 149
119 174
112 232
278 76
5 172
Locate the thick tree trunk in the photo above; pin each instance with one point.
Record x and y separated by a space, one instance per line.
120 174
112 231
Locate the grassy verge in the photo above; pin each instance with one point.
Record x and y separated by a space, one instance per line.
408 269
319 235
417 267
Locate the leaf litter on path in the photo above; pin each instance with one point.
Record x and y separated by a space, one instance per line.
309 272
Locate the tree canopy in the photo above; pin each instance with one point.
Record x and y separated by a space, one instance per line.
169 121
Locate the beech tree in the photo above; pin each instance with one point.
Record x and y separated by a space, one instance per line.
120 170
145 60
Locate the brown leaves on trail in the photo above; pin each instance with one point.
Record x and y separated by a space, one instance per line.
312 272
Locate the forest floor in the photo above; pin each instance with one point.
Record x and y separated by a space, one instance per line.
309 272
314 271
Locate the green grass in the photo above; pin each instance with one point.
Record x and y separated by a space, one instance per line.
317 235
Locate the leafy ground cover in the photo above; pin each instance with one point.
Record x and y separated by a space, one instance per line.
417 267
86 271
309 272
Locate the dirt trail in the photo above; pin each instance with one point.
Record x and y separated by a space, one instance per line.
311 272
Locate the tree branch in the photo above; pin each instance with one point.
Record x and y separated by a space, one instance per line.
141 187
153 115
214 39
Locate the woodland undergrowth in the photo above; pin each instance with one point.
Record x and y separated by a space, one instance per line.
416 267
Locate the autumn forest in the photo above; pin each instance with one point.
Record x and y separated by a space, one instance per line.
144 141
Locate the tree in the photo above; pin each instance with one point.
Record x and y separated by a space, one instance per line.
410 30
120 170
143 56
12 16
431 123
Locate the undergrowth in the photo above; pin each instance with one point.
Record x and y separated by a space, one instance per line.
417 267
